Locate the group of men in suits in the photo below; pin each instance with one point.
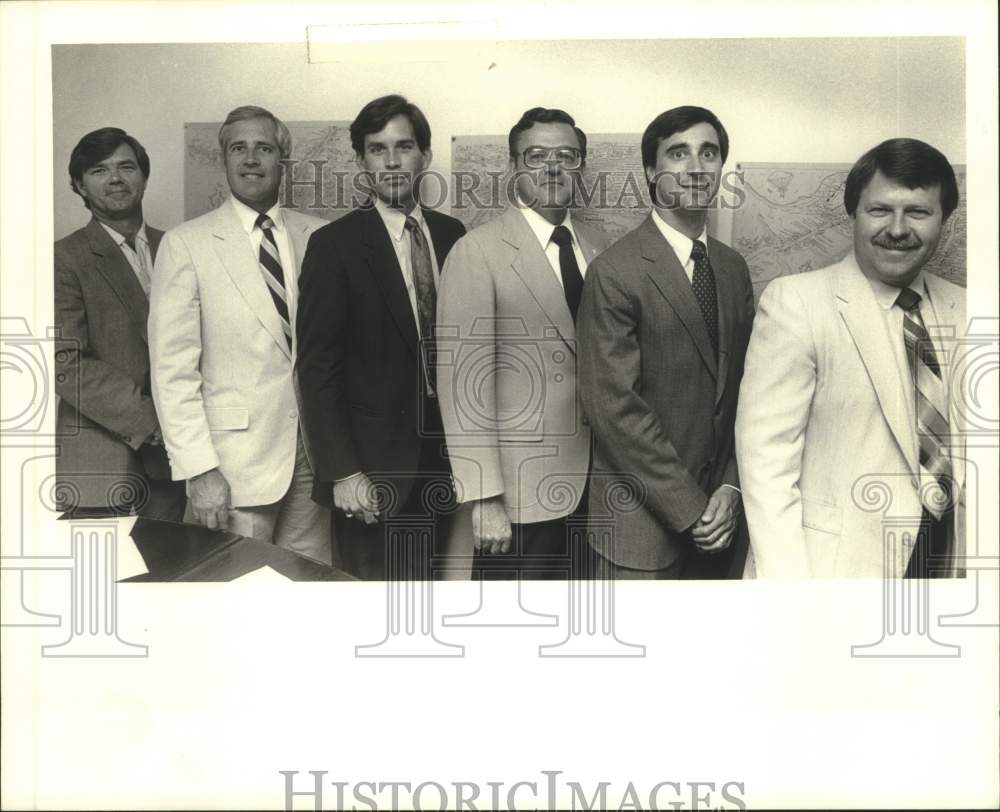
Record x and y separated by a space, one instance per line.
341 389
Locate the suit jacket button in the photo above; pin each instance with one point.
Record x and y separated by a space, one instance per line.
293 414
585 421
914 483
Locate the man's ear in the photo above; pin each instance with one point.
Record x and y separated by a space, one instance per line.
428 157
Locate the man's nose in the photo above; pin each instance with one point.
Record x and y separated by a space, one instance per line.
898 227
393 158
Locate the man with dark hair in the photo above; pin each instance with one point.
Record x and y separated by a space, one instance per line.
111 452
847 388
365 324
509 297
664 325
221 331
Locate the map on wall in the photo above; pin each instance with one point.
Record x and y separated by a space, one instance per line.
322 169
612 196
792 220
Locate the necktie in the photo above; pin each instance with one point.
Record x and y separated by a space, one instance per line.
144 278
270 267
931 406
703 284
423 283
571 277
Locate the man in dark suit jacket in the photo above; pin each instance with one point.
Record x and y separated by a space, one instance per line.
111 452
366 309
663 331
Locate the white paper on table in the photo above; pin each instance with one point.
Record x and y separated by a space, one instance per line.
263 575
129 560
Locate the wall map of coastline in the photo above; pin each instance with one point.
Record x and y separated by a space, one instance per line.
615 199
793 220
317 147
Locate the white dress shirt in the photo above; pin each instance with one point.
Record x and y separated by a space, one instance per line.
681 243
248 219
395 224
543 229
140 259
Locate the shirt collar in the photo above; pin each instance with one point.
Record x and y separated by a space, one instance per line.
248 217
542 228
886 295
681 243
120 238
395 219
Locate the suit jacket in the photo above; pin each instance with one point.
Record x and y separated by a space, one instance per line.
825 434
661 403
507 371
102 369
222 370
359 354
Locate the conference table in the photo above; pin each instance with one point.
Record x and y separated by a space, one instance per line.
187 552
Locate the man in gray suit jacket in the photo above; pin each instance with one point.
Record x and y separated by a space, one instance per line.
663 330
507 306
111 453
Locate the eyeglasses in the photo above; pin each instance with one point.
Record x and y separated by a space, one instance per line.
540 157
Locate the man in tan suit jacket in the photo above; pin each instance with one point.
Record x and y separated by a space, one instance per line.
832 429
222 347
111 454
506 349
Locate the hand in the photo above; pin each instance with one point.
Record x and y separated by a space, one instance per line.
356 497
491 532
713 532
209 496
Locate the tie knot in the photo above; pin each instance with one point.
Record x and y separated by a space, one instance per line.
411 224
908 299
264 223
698 250
561 236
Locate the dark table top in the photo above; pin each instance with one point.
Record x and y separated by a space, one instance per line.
187 552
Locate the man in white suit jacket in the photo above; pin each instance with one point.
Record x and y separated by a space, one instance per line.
833 435
222 348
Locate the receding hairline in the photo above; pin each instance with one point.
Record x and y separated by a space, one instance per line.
274 126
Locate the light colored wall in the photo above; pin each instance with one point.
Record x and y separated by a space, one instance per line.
809 100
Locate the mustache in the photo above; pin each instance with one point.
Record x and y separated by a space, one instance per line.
891 243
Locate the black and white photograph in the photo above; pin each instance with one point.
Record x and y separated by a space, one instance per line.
357 360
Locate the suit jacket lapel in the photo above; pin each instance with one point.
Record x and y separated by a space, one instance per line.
112 265
298 236
532 267
388 275
725 294
668 275
154 235
233 249
861 313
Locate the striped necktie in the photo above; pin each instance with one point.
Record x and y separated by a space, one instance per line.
931 407
270 267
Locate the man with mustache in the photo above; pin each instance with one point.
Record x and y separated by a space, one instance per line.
507 311
847 387
664 325
221 331
366 317
111 451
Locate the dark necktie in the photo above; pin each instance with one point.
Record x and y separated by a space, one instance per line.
270 267
571 278
423 283
703 284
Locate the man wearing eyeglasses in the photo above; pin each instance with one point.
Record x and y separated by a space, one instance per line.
664 325
507 307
